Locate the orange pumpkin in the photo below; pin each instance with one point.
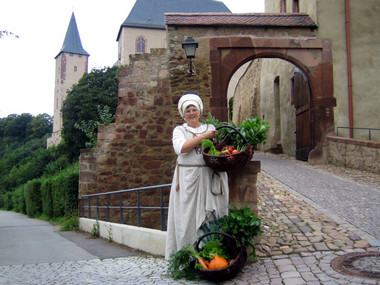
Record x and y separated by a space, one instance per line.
217 263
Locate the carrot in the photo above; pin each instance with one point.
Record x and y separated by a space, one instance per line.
203 263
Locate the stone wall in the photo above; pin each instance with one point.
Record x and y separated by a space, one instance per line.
358 154
136 150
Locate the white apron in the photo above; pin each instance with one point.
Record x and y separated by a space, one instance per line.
198 194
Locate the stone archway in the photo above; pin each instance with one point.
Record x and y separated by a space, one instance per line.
312 56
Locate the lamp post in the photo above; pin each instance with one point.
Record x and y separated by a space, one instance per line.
190 47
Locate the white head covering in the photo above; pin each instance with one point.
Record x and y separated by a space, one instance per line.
187 100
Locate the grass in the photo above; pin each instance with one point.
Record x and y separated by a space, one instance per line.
65 223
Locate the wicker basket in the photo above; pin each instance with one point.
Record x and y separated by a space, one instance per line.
238 254
229 162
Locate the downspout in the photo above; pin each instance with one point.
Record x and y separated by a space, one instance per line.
349 69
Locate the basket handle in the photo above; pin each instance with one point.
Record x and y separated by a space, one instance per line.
211 233
231 127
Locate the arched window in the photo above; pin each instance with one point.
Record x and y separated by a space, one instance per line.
140 45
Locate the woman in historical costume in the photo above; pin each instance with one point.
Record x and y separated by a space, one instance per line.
198 193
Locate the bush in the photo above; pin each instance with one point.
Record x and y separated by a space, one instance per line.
33 199
47 197
7 201
65 192
18 199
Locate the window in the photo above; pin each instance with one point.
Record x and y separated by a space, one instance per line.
140 45
295 7
75 68
283 6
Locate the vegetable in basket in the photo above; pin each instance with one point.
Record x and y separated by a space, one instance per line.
253 129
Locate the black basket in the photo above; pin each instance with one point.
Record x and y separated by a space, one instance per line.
238 254
229 162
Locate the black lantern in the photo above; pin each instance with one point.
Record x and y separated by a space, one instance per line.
190 46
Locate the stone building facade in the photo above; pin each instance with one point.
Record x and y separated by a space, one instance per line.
136 150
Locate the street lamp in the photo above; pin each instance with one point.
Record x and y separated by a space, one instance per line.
190 46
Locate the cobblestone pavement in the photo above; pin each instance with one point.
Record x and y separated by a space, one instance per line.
300 241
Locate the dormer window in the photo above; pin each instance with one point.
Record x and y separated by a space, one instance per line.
140 45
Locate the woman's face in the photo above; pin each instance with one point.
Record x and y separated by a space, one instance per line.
192 116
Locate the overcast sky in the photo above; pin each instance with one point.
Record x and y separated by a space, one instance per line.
27 64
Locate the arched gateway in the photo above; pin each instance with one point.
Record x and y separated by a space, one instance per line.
226 41
136 150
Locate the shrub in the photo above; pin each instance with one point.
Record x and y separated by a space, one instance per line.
33 199
18 199
7 201
47 197
65 192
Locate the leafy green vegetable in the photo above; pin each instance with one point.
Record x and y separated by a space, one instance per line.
214 247
180 263
253 129
243 224
209 144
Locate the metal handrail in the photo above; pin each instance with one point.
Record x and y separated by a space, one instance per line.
354 128
121 206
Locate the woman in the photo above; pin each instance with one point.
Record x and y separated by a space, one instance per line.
198 194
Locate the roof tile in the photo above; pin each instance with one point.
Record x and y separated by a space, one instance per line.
251 19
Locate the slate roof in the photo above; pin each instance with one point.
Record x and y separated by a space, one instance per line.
72 42
252 19
150 13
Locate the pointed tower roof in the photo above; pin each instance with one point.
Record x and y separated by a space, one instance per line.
150 13
72 42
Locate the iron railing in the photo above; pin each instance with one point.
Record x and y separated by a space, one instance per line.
88 200
352 128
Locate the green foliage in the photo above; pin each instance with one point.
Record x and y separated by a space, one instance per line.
33 199
7 202
209 144
64 191
23 153
71 223
90 128
95 232
253 129
243 224
214 247
97 88
180 267
18 200
47 197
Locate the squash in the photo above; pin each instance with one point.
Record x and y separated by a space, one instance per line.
217 263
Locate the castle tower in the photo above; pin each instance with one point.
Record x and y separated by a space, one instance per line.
70 65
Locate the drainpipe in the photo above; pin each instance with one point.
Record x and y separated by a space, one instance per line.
349 74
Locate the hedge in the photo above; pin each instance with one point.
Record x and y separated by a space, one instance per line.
65 192
55 196
18 199
47 197
33 199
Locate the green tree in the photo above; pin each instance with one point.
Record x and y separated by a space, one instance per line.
94 90
40 126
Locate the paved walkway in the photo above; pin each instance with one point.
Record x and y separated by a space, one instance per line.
305 231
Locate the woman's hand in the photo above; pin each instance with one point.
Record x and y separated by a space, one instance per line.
190 144
209 134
